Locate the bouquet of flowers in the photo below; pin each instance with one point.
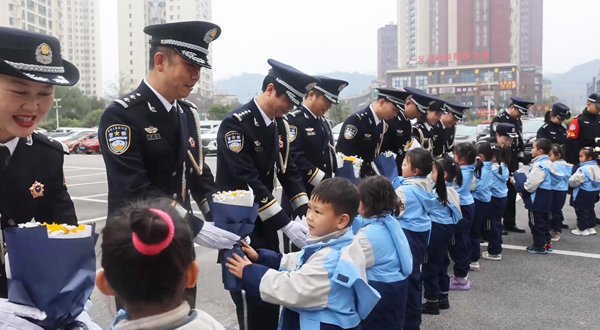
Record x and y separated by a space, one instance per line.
51 267
236 212
385 164
348 167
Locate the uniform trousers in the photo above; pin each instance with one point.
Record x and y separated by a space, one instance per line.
436 282
539 223
510 212
482 214
418 246
494 225
556 215
460 245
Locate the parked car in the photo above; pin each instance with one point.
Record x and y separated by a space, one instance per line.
207 125
209 140
73 135
73 145
63 131
89 146
336 132
465 133
530 128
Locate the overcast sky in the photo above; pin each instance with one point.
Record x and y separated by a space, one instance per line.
320 36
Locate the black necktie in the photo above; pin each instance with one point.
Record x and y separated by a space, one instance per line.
4 158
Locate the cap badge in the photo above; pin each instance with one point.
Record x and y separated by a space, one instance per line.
342 87
37 189
311 86
43 54
210 35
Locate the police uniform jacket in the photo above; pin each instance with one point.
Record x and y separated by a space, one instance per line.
424 133
150 152
450 134
311 146
397 136
557 133
362 137
439 139
33 185
518 145
583 131
250 154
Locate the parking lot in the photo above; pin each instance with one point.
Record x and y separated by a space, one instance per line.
556 291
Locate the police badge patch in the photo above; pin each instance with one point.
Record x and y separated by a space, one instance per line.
293 133
235 141
118 138
350 132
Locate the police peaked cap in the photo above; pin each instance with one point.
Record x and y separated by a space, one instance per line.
189 39
35 57
506 129
561 110
397 97
521 104
456 108
331 88
424 101
295 83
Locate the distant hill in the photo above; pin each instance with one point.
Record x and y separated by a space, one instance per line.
247 85
571 86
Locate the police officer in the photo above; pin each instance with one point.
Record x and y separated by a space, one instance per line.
553 129
512 115
311 137
363 131
253 149
584 130
150 138
445 129
399 129
431 111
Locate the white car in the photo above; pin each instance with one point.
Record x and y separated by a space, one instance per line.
209 140
336 132
207 125
74 135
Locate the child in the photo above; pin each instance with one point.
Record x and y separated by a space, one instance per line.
537 196
324 285
499 190
414 190
460 247
148 261
389 261
559 191
482 195
586 186
444 217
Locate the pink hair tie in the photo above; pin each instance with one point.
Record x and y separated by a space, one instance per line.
154 249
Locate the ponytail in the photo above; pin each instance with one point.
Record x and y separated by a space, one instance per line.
502 155
452 169
478 168
547 117
440 183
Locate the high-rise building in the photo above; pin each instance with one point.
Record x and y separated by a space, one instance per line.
134 15
74 22
387 49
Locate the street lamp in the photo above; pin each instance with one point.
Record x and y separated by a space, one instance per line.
56 106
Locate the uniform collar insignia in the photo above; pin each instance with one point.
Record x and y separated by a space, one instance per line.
151 130
256 123
152 109
37 189
29 141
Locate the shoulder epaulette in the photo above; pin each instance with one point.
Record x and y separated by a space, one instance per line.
128 100
244 115
48 141
295 113
188 103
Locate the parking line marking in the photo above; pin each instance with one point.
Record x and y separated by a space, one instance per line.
554 251
91 196
90 221
85 184
85 168
89 200
84 175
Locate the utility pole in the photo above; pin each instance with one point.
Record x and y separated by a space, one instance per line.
56 106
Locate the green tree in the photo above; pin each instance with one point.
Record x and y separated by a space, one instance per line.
73 106
93 118
69 122
219 111
339 112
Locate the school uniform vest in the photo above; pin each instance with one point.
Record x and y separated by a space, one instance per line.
541 199
464 191
498 187
586 195
449 214
483 189
566 169
415 193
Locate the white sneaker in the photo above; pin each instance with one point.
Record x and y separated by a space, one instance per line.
474 266
578 232
592 231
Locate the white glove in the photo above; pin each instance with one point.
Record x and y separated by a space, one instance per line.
296 232
11 316
215 238
302 220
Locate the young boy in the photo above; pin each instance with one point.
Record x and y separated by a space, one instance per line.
323 286
537 195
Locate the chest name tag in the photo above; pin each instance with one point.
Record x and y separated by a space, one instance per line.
153 137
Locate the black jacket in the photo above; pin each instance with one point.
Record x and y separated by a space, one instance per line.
518 145
583 131
396 137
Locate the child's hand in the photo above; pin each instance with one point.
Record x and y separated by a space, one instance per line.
236 265
249 251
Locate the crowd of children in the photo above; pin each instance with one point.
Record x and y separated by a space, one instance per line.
371 248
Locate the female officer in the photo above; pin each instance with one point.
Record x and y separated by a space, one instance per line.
553 129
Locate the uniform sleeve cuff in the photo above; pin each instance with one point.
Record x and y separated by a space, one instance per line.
269 258
299 200
251 277
317 177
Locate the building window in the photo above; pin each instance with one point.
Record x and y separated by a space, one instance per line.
13 21
421 82
400 82
467 77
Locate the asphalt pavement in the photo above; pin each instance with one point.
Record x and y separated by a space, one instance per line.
557 291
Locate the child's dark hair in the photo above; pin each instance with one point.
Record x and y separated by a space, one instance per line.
483 149
451 168
466 151
558 150
378 197
341 194
544 144
591 153
421 160
502 155
139 277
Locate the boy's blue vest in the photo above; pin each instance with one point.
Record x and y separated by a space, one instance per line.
541 199
483 185
464 191
499 188
446 215
586 195
566 169
418 202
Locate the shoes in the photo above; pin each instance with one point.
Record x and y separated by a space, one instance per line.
444 303
578 232
493 257
548 246
536 250
460 283
555 236
592 231
475 267
598 221
564 226
431 308
504 233
515 229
